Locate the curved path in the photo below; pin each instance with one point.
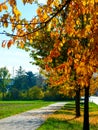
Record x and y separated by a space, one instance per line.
29 120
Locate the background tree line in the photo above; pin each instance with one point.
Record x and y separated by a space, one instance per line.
26 86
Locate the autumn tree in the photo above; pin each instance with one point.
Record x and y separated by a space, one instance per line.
40 49
82 54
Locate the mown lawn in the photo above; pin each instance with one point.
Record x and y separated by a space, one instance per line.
8 108
64 119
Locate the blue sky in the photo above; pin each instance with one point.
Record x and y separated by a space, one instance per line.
13 57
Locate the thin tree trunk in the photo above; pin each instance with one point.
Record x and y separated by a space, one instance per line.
86 109
77 101
2 95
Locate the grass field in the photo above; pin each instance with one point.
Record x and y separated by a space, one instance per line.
64 119
8 108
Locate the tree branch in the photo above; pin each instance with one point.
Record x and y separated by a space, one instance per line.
4 2
43 24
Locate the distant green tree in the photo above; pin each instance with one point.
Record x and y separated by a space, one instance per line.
4 80
35 93
53 94
13 94
19 85
20 81
31 78
23 84
20 72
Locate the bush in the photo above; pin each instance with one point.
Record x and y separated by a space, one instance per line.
35 93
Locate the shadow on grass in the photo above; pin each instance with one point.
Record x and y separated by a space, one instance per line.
94 115
65 119
69 109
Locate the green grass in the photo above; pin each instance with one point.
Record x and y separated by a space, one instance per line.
64 119
8 108
54 124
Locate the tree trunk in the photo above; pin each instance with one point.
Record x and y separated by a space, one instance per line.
2 95
86 109
77 102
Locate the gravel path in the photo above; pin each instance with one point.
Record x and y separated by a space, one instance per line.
29 120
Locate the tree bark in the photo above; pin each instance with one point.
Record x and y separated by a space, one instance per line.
77 102
86 110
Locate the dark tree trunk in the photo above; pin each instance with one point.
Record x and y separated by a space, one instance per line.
77 102
86 109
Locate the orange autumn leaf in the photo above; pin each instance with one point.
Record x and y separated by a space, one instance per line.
5 7
10 42
4 44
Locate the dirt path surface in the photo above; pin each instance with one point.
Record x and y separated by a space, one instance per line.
29 120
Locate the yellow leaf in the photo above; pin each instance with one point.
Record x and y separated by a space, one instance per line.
63 40
37 33
19 26
78 70
49 27
78 22
0 8
56 3
92 40
16 12
21 44
88 27
31 41
82 83
39 10
82 64
45 16
5 7
84 2
5 24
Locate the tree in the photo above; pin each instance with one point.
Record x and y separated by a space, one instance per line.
31 79
4 80
20 72
79 30
20 81
81 56
14 94
35 93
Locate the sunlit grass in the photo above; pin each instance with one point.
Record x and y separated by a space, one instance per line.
8 108
65 119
